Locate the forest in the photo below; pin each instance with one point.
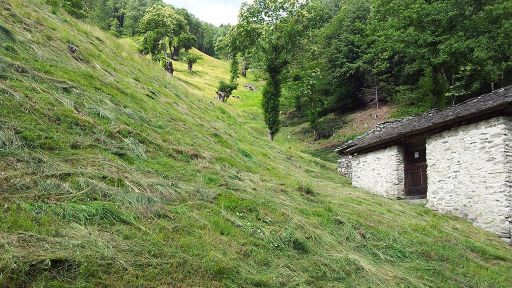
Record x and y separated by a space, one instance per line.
330 55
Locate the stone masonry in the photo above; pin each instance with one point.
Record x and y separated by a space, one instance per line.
470 173
345 166
380 172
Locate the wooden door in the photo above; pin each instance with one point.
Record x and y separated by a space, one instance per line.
415 170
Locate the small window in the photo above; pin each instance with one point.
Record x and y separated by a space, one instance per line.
416 155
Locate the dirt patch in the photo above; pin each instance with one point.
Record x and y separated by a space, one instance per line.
343 128
364 120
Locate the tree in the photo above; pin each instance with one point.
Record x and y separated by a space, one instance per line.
344 49
186 41
115 28
225 90
234 69
191 60
196 28
309 87
175 41
272 34
134 11
245 65
159 23
168 66
272 28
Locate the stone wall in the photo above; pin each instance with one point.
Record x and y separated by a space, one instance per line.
380 172
470 173
345 166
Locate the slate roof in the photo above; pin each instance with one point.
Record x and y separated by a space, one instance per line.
392 131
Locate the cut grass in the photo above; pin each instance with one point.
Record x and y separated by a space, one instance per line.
113 173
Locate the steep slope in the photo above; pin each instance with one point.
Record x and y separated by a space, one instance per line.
113 173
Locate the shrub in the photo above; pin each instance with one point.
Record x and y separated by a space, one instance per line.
225 90
191 60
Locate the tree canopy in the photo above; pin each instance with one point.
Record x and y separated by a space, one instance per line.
158 24
334 55
268 31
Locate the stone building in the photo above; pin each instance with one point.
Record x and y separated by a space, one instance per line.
458 159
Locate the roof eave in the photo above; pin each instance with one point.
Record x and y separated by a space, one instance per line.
393 140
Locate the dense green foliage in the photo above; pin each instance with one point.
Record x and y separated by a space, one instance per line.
160 24
268 30
75 8
186 41
271 98
415 53
234 69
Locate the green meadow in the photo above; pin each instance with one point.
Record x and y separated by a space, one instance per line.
114 173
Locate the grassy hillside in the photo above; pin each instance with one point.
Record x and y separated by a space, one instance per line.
113 173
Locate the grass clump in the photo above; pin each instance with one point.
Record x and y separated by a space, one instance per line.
89 213
306 190
9 140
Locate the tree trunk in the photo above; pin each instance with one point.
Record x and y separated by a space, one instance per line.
271 136
175 52
169 67
377 94
317 135
245 67
190 65
437 90
120 19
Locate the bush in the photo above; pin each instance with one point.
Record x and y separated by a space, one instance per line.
227 87
225 90
191 60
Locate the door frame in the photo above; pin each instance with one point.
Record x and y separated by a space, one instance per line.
412 165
